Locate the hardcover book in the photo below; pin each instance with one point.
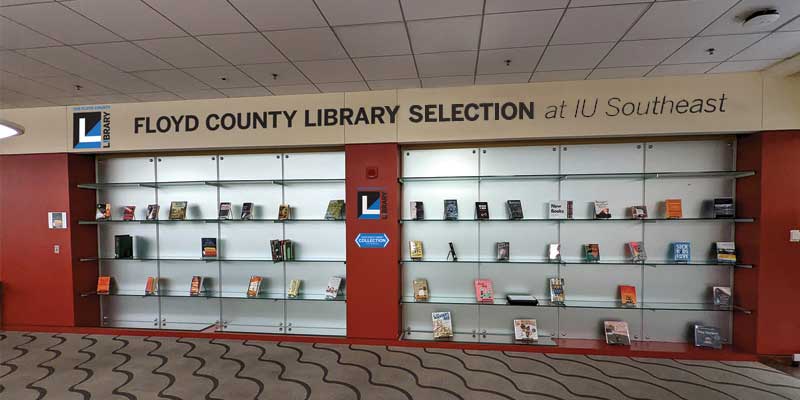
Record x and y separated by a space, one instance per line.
152 212
247 211
724 208
627 294
554 252
673 208
254 287
294 288
451 210
123 246
287 249
420 289
128 213
415 249
561 209
617 332
707 336
557 294
276 249
417 210
225 210
503 251
332 291
722 296
103 212
209 247
522 299
639 212
196 287
483 291
636 251
451 254
726 252
284 212
601 210
335 210
481 210
103 284
681 252
177 210
442 325
525 330
151 287
591 252
514 208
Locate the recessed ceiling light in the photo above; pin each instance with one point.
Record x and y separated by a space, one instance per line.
8 129
761 18
224 78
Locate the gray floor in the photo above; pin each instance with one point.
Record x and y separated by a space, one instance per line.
66 366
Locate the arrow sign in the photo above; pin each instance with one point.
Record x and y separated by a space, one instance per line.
372 240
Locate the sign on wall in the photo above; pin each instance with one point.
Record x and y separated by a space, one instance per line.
372 240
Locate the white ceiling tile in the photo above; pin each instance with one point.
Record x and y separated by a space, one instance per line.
122 81
329 71
447 81
731 22
743 66
68 83
203 17
155 96
183 52
447 64
221 77
28 67
641 52
677 18
696 50
590 3
246 92
792 26
596 24
681 69
446 34
573 56
358 86
68 59
501 6
523 29
383 68
522 59
293 89
394 84
308 44
110 99
124 56
200 94
281 14
353 12
422 9
498 79
243 48
276 74
172 79
70 101
374 39
549 76
16 36
15 2
132 20
621 72
59 22
29 87
776 45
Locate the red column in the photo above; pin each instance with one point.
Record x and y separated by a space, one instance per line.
373 274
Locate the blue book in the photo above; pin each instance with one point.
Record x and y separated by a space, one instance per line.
681 252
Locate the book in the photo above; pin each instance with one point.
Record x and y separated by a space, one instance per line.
724 208
420 289
128 213
103 212
726 252
294 288
287 248
417 210
503 251
103 284
681 252
152 212
276 249
561 209
247 211
225 210
284 212
557 294
332 290
554 252
617 332
591 252
627 294
196 287
450 210
522 299
415 249
177 210
254 287
481 210
123 246
514 208
335 210
451 254
525 330
151 287
209 247
707 336
483 291
722 296
673 209
636 251
639 212
442 325
601 210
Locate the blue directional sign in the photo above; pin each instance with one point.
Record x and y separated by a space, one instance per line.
372 240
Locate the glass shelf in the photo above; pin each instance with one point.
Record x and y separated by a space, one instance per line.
266 260
499 338
644 220
112 185
579 262
580 304
623 175
218 295
213 221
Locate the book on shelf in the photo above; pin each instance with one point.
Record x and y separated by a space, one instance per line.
481 210
247 211
601 210
287 247
673 209
724 208
209 247
707 336
103 284
123 246
421 292
503 251
726 252
557 294
151 287
451 254
417 210
442 325
484 293
591 252
639 212
177 210
128 213
334 285
103 212
254 287
514 209
335 210
617 333
561 209
415 251
681 252
284 212
294 288
554 252
525 330
627 295
152 212
722 296
196 286
451 210
636 251
522 299
276 250
225 211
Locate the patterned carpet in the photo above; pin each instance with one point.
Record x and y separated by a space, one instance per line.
67 366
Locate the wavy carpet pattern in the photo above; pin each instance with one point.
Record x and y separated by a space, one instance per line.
80 367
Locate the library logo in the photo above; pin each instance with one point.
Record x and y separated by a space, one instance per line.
371 205
91 130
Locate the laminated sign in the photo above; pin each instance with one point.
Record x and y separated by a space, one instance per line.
372 240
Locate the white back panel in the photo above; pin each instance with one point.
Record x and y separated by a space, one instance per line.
322 165
705 155
250 167
523 160
444 162
126 169
602 158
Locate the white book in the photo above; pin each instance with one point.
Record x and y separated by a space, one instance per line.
332 291
560 209
525 330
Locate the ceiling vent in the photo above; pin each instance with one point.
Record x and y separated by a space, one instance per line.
761 18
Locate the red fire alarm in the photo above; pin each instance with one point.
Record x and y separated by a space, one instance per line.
372 172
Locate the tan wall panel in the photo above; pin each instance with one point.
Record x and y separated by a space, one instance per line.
44 130
782 102
385 133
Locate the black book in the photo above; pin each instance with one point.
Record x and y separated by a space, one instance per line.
276 248
451 210
123 246
481 210
417 210
724 208
522 299
707 336
514 209
247 211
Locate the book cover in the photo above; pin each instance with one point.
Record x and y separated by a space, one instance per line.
554 252
627 294
481 210
681 252
525 330
417 210
601 210
209 247
152 212
514 208
103 284
451 254
617 332
287 249
724 208
332 290
636 251
561 209
557 294
707 336
123 246
451 210
483 291
335 210
225 210
103 212
592 252
196 287
415 249
726 252
522 299
254 287
442 325
294 288
128 213
247 211
276 249
503 251
151 287
177 210
420 289
284 212
673 208
57 220
722 296
639 212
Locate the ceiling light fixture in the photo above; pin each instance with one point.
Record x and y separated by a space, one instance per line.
761 17
8 129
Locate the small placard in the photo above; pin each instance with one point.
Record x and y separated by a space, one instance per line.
372 240
57 219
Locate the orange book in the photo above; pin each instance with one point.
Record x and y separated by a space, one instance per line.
197 286
627 294
674 209
152 285
103 284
